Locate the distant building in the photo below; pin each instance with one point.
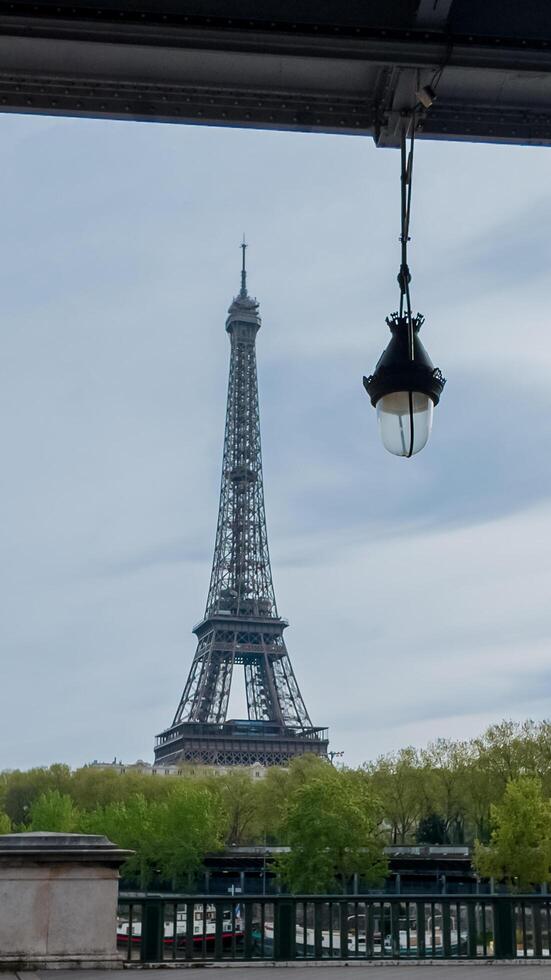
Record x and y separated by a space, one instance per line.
256 771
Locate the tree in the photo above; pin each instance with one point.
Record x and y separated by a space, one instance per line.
53 811
444 765
169 837
399 782
239 798
191 824
133 825
332 826
21 789
5 824
431 830
276 789
519 851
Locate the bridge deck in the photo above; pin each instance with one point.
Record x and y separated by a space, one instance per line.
314 65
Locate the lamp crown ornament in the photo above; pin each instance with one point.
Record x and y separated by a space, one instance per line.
396 370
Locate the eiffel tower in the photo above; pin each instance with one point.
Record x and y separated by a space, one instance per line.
241 625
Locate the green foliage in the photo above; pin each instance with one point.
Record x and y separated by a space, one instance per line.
238 798
275 791
332 825
192 822
5 823
431 830
168 838
53 811
449 792
19 790
398 782
519 851
133 825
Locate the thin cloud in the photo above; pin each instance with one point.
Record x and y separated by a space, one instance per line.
113 296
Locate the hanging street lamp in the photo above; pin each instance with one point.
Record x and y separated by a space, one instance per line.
405 386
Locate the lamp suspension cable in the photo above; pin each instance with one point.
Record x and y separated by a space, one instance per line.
406 178
404 275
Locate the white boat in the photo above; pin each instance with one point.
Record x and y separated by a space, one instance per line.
204 928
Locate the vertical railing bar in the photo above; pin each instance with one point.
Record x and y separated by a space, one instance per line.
190 919
446 928
174 928
369 929
305 930
218 930
522 910
356 930
457 930
485 928
247 941
395 909
420 922
233 928
472 947
537 912
343 929
481 916
330 930
318 941
130 928
262 926
408 941
433 930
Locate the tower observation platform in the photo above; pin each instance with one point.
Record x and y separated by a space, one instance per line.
241 626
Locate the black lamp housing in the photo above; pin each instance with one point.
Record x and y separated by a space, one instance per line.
397 370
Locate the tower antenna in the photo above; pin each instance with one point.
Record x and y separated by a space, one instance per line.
243 248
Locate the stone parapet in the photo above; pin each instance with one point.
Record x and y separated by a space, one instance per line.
58 901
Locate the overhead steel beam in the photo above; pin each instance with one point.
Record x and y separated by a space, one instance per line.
327 73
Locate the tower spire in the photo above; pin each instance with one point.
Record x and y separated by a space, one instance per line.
243 248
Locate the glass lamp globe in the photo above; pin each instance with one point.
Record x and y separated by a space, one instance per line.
405 421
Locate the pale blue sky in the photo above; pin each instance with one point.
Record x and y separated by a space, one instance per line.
418 591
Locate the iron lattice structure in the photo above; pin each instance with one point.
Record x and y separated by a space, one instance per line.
241 623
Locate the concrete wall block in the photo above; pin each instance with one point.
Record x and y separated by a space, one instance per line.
58 901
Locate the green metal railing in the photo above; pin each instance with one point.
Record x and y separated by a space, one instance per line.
182 927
